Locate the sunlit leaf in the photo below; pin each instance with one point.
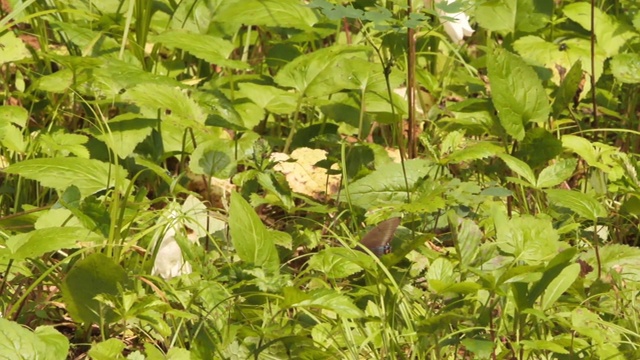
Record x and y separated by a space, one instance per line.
517 92
89 175
249 235
582 204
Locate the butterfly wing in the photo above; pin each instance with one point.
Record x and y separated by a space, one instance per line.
377 240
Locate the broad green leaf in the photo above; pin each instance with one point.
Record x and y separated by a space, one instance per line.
556 173
497 15
332 300
275 13
249 236
537 51
565 94
39 242
477 151
214 158
533 15
213 50
442 270
16 115
107 350
60 144
273 99
528 239
12 48
11 137
94 275
56 344
550 273
124 132
334 263
17 342
611 34
167 99
559 285
544 345
582 204
538 147
322 72
468 241
582 147
89 175
386 185
626 68
519 167
517 93
483 349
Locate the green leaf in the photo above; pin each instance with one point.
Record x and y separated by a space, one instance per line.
497 15
568 88
477 151
332 300
537 51
16 115
517 93
17 342
12 48
89 175
213 50
334 263
626 68
538 147
56 344
214 158
39 242
271 98
386 185
277 13
124 132
544 345
110 349
322 72
249 235
167 99
441 275
582 204
559 285
556 173
611 34
533 15
60 143
468 241
94 275
519 167
528 239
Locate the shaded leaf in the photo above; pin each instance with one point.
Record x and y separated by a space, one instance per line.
92 276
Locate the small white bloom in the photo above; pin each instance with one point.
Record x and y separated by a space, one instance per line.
457 27
169 261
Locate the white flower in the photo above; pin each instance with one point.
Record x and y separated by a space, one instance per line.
457 27
169 261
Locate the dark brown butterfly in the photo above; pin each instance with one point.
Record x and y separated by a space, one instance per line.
377 240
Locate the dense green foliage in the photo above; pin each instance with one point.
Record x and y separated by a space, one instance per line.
138 134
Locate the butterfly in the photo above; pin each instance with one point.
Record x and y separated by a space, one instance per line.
377 240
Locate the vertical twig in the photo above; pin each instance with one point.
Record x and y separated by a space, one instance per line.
411 74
